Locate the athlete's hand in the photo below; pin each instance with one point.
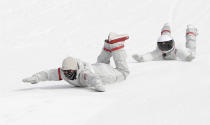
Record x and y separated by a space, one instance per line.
32 80
138 58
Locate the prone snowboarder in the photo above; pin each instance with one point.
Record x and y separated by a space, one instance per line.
166 47
82 74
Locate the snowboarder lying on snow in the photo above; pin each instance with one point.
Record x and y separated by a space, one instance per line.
82 74
166 47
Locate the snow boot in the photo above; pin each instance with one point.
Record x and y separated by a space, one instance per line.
166 30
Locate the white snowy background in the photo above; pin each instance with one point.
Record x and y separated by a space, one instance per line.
36 35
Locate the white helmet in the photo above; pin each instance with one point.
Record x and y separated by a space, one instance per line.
166 43
164 38
69 63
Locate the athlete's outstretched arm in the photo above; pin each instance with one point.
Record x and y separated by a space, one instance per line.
48 75
150 56
189 53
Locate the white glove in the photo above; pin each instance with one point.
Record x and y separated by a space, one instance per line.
32 80
138 58
99 88
191 28
166 29
191 33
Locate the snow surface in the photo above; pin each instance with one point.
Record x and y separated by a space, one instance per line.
36 35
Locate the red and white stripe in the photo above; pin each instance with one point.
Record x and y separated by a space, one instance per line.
114 49
118 40
190 33
165 31
59 73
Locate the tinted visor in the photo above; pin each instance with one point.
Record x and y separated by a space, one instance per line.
165 46
70 74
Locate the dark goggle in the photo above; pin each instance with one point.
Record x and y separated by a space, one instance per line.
165 46
70 74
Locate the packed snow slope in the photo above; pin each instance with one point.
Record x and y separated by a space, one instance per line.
36 35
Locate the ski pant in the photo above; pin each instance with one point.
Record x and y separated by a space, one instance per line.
118 53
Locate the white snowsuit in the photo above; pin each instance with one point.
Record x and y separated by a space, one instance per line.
99 73
186 54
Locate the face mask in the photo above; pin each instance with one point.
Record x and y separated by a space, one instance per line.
166 46
70 74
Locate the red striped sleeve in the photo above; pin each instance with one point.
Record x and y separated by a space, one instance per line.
59 73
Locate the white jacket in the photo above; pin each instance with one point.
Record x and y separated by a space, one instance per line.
187 54
87 75
94 75
176 54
